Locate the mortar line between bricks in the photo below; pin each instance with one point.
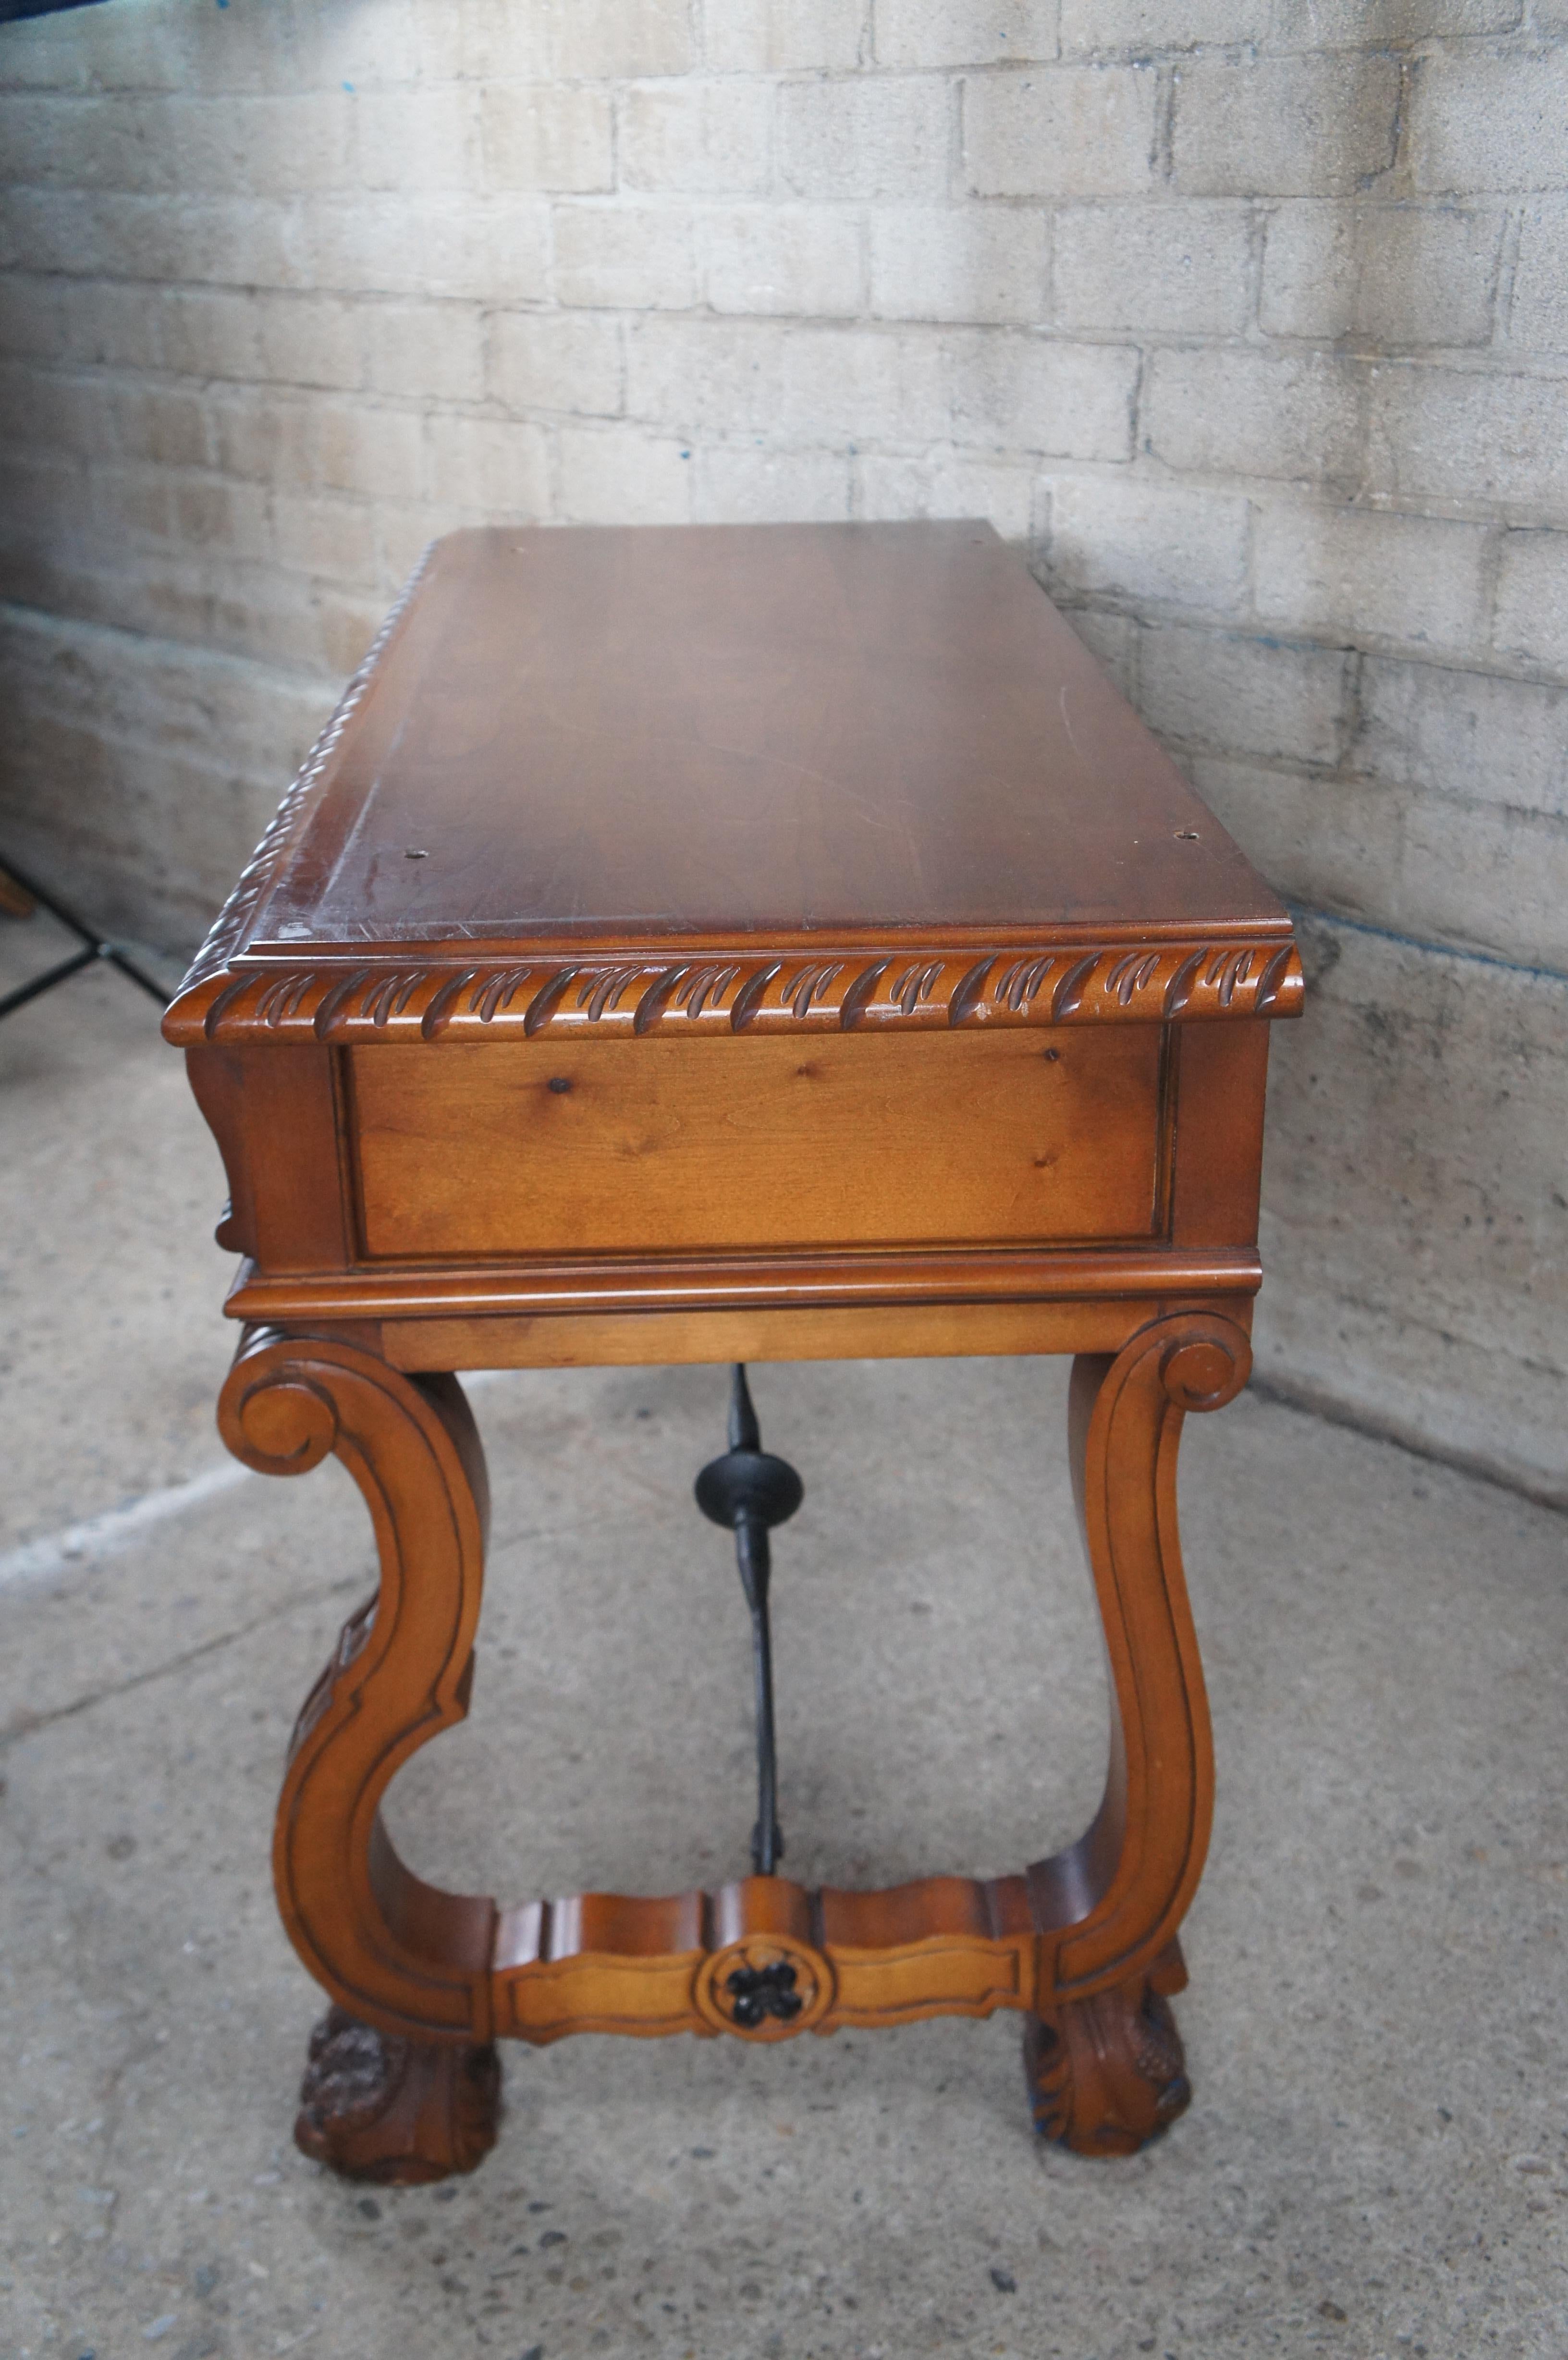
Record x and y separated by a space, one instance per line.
1418 942
24 615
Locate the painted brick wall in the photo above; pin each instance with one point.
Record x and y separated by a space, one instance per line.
1249 317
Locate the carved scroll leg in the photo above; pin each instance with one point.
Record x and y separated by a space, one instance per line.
403 2083
374 2105
1102 2056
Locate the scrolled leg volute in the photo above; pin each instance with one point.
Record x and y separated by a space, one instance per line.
1102 2055
402 2083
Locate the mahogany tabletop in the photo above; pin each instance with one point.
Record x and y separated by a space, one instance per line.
746 730
864 743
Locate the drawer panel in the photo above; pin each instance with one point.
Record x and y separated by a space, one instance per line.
837 1139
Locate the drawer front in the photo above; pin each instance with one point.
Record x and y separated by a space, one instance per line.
521 1148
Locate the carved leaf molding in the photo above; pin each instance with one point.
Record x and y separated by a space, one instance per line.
1180 982
232 923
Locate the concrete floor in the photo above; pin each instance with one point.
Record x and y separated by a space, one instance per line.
1375 2161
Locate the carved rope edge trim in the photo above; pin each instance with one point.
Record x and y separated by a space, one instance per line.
234 921
626 997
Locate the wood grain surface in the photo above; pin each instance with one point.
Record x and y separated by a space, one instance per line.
742 729
531 1148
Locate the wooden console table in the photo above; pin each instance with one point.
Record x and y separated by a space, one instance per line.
720 945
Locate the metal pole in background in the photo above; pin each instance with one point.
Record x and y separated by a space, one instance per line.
96 946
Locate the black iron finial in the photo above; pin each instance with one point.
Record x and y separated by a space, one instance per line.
750 1490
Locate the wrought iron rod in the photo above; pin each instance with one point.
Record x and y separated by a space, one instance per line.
753 1557
750 1490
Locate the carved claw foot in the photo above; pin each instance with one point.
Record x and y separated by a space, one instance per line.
374 2105
1106 2075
